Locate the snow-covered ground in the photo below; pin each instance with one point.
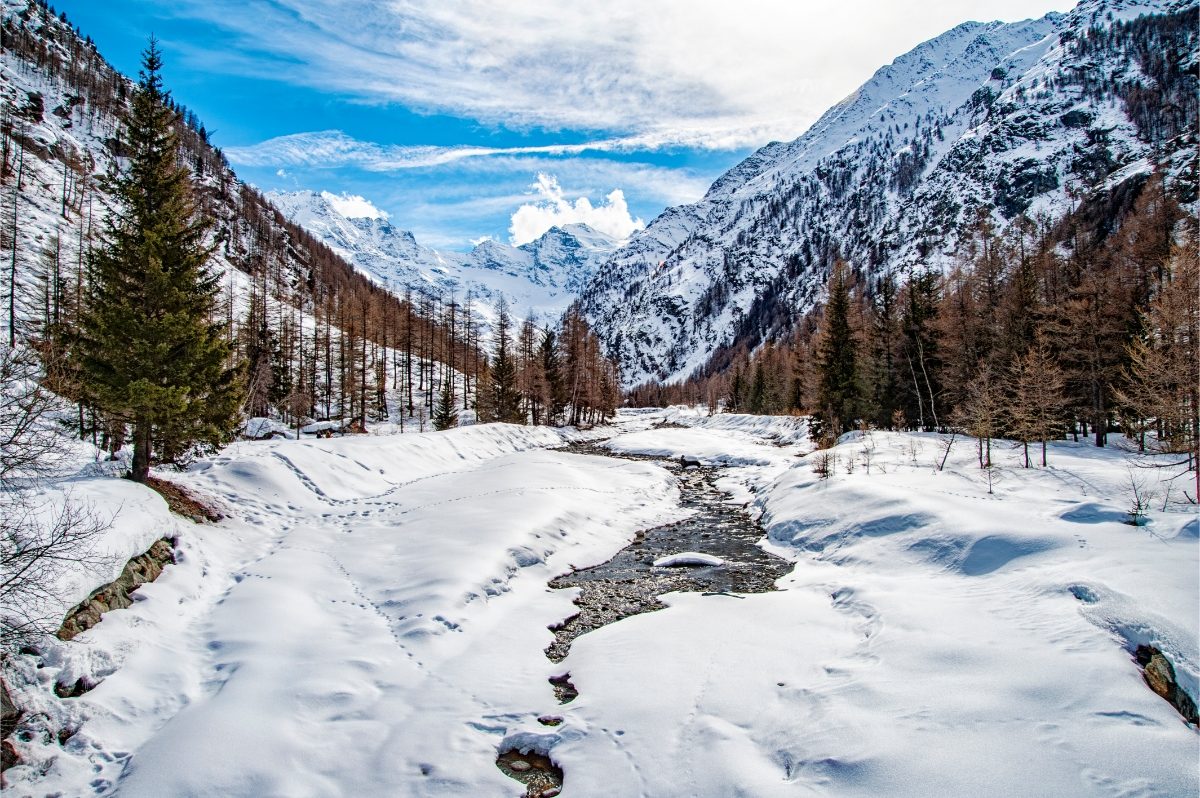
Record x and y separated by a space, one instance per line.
371 617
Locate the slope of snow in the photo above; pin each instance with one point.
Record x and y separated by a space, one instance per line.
543 276
371 620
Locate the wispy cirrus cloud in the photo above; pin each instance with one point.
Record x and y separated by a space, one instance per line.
697 73
333 150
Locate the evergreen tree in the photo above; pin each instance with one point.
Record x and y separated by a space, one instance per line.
920 348
838 395
555 400
884 370
758 391
737 387
151 352
445 415
266 384
502 398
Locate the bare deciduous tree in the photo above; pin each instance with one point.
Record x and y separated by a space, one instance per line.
41 541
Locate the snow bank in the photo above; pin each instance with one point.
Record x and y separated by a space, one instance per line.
784 430
711 448
370 620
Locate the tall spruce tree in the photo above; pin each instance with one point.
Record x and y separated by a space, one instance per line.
503 400
152 354
839 393
555 400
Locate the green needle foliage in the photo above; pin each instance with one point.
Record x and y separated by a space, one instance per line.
152 354
445 415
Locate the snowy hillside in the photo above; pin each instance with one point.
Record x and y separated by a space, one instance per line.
64 103
1007 119
543 276
370 620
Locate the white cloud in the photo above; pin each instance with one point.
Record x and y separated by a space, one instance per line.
477 241
707 73
352 206
553 209
333 149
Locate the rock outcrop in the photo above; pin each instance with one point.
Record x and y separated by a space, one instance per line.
1160 676
115 595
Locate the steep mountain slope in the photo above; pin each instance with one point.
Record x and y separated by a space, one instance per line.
999 119
543 276
59 137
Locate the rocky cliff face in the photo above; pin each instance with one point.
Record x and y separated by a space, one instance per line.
997 120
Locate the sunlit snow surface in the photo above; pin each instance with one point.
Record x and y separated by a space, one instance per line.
370 621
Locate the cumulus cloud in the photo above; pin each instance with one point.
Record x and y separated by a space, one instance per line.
553 209
352 206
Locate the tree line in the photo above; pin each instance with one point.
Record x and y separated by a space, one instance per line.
1079 327
135 325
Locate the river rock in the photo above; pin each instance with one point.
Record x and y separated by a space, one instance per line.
687 558
519 765
1160 677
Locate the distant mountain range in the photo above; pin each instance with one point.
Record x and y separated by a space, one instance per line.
542 277
1003 120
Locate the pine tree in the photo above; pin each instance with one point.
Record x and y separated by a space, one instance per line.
152 354
554 401
502 399
445 415
883 368
839 395
758 391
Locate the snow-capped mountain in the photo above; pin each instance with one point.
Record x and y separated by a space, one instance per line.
63 104
543 276
1003 119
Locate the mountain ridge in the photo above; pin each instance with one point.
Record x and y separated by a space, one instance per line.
542 276
1010 118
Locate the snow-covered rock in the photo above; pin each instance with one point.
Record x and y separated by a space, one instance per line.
687 558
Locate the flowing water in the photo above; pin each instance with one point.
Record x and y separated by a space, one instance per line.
630 584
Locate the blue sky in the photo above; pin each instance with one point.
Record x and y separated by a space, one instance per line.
482 118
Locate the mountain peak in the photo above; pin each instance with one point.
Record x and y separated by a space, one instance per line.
988 117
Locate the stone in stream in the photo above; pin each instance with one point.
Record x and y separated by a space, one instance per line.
687 558
540 775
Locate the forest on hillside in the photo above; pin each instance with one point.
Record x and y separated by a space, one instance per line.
1080 327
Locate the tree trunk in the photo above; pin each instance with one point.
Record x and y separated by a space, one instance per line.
140 469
